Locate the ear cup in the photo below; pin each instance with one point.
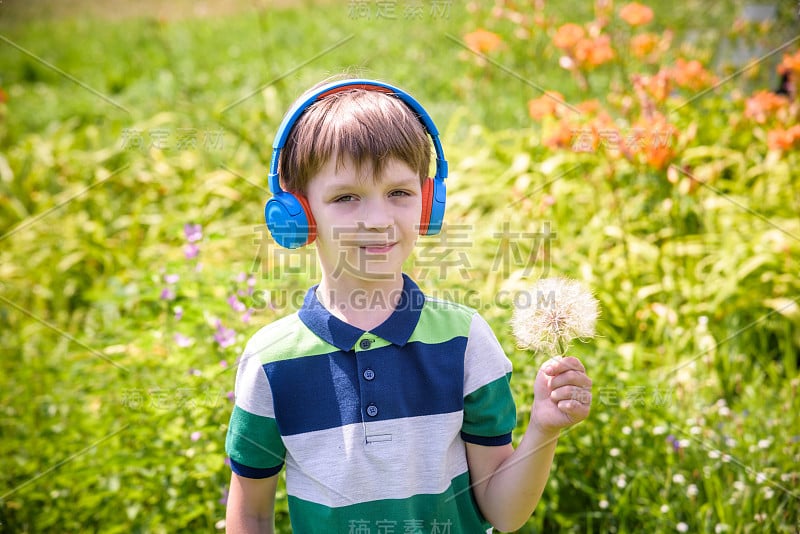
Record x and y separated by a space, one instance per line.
289 220
433 203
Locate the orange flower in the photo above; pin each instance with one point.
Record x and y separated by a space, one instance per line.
790 63
590 53
3 96
568 35
636 14
655 140
483 41
762 104
546 105
644 44
563 136
589 107
780 139
657 86
692 75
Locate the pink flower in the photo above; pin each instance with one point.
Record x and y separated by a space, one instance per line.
195 435
193 232
236 304
171 278
224 336
191 251
183 341
167 294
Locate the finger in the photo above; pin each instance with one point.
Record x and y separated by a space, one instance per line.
582 395
574 410
569 363
570 378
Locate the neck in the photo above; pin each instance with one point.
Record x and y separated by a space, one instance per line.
364 304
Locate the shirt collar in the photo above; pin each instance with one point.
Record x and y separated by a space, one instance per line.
396 329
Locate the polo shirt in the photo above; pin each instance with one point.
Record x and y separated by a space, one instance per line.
372 425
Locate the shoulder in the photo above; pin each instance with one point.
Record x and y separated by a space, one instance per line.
283 339
446 315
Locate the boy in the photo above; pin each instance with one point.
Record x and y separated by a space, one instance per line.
392 411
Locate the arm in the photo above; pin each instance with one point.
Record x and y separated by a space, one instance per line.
251 504
508 483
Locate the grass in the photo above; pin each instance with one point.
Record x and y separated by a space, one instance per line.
119 130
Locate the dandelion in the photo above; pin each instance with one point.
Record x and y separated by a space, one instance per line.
556 311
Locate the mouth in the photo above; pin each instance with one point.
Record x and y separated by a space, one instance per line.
377 248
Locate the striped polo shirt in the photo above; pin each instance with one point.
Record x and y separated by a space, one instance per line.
371 425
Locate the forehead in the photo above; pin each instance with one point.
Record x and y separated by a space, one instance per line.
344 172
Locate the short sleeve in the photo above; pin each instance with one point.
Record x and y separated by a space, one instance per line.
253 442
489 411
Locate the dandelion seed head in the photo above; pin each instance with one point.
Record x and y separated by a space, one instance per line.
553 313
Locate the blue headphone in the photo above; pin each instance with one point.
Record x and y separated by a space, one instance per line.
288 216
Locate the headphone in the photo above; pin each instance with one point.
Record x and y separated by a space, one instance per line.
288 215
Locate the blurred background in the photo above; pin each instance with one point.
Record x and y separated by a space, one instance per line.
648 150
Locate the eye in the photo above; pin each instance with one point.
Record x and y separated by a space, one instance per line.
399 193
344 198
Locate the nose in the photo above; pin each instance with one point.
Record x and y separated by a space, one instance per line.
375 215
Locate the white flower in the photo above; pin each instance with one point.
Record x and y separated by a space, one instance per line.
691 490
553 313
682 527
764 443
613 452
678 478
603 504
721 527
768 492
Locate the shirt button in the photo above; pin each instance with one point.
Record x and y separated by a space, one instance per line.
372 410
365 343
369 374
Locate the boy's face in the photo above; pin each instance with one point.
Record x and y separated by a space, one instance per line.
365 228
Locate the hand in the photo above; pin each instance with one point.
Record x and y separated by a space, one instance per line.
563 395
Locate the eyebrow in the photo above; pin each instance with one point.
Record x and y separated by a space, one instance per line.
388 182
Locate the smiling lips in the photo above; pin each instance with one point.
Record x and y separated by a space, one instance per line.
378 248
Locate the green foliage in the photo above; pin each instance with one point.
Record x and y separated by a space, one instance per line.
120 339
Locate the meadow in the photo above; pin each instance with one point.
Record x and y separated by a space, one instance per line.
645 151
